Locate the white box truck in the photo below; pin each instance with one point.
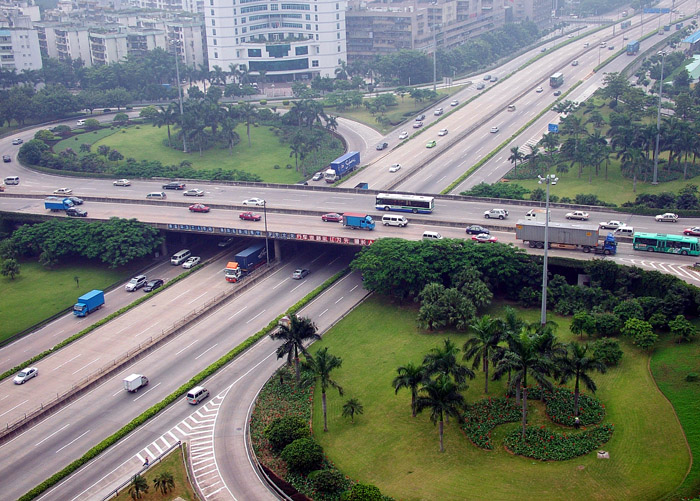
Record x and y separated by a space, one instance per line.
134 382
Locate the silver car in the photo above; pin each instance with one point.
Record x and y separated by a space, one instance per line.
26 374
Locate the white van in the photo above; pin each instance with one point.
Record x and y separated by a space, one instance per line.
180 257
394 220
197 394
158 195
624 231
431 235
12 180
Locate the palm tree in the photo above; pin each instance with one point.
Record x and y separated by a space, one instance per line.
166 116
410 376
138 487
247 112
515 157
576 364
481 347
442 396
524 357
321 367
352 407
443 361
164 482
295 334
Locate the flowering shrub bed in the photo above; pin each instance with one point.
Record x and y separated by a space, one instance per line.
547 445
560 405
483 416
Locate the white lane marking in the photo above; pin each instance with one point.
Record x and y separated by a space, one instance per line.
67 361
239 311
295 288
324 311
280 283
57 431
195 299
90 363
354 288
147 392
72 441
441 179
256 316
182 294
208 349
318 257
13 408
59 332
340 299
187 347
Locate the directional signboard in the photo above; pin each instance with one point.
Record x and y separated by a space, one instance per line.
553 128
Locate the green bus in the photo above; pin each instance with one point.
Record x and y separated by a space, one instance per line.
556 80
671 244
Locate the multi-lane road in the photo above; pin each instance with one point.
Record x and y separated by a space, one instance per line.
64 436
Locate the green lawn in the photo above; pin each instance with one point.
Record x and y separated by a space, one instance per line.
36 293
400 455
91 137
670 364
266 151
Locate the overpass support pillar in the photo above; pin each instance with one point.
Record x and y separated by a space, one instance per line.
278 250
164 244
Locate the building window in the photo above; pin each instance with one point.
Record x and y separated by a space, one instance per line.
318 49
274 6
211 2
317 27
212 11
315 8
213 31
337 35
337 26
254 52
243 20
216 55
316 17
337 6
213 22
337 17
317 37
242 39
235 32
215 41
338 48
301 51
244 29
314 64
308 17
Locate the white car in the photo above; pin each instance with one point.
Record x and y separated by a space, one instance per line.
443 132
122 182
574 62
62 191
454 102
25 375
318 176
194 192
403 134
191 262
577 214
668 217
494 130
395 168
80 123
539 89
611 225
254 201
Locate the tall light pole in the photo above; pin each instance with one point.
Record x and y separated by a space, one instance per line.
548 179
655 179
435 28
176 44
267 245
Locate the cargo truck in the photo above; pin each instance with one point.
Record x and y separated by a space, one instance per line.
354 220
342 166
633 48
89 302
56 204
135 381
565 236
248 260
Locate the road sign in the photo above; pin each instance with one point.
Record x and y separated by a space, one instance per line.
553 128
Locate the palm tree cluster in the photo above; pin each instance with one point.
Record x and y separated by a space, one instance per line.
516 349
163 482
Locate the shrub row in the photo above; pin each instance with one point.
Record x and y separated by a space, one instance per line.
484 415
149 413
97 324
547 445
560 407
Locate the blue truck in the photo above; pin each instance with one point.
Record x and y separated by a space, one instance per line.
342 166
248 260
89 302
354 220
633 48
57 204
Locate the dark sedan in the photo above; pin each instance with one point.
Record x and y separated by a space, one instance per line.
174 186
475 229
76 200
153 285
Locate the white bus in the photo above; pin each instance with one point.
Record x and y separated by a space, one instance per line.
417 204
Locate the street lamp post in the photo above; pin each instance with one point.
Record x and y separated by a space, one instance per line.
176 44
435 57
655 179
548 179
267 245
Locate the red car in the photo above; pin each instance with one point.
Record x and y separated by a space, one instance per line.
332 217
199 208
250 216
693 232
484 238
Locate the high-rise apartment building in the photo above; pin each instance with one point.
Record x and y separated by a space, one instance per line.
287 40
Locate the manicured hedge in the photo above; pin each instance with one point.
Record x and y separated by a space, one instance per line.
547 445
483 416
560 406
197 379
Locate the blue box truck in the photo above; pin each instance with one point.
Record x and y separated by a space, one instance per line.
57 204
89 302
342 166
248 260
354 220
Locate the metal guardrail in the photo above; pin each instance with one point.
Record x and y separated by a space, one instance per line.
143 469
